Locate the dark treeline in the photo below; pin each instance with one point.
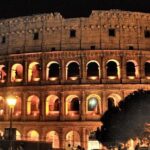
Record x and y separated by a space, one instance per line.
68 8
127 120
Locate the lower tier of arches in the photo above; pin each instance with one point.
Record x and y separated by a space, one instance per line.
59 133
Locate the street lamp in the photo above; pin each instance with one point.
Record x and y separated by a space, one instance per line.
11 101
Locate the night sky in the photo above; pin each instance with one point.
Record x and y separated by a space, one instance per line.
68 8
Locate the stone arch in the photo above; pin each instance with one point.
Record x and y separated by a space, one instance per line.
32 135
34 71
73 138
113 100
132 69
3 73
33 105
52 71
113 69
17 107
93 105
93 70
52 104
2 106
72 70
1 133
147 69
53 136
72 104
17 73
18 135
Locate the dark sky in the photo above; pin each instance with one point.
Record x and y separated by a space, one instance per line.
68 8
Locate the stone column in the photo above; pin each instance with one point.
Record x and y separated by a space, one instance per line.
63 71
123 68
105 103
42 107
83 69
104 69
62 107
9 65
84 139
61 139
83 106
43 70
24 106
25 70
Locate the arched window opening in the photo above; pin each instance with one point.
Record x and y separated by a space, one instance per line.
73 71
17 108
147 70
53 71
72 105
112 70
111 103
52 104
53 137
113 100
34 72
1 133
18 135
130 70
33 135
93 105
93 71
56 105
17 73
3 73
1 106
33 105
73 138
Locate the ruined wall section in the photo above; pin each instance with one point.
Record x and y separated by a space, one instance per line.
17 34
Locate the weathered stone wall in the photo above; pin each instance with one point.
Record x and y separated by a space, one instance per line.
54 32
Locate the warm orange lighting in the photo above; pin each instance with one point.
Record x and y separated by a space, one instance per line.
111 77
18 80
148 77
2 81
73 78
1 112
11 101
36 79
53 78
93 77
131 77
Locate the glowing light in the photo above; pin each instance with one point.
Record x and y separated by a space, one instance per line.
92 104
11 101
36 79
73 78
53 78
131 77
148 77
93 77
112 77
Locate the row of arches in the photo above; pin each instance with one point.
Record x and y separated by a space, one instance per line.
73 70
52 105
71 137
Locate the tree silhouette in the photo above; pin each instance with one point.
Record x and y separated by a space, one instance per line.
127 120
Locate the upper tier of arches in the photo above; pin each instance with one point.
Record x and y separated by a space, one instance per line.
95 68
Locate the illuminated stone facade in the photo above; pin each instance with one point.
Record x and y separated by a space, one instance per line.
65 73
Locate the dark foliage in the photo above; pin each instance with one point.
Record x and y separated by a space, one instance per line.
127 120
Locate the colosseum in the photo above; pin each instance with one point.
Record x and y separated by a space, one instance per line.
66 72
